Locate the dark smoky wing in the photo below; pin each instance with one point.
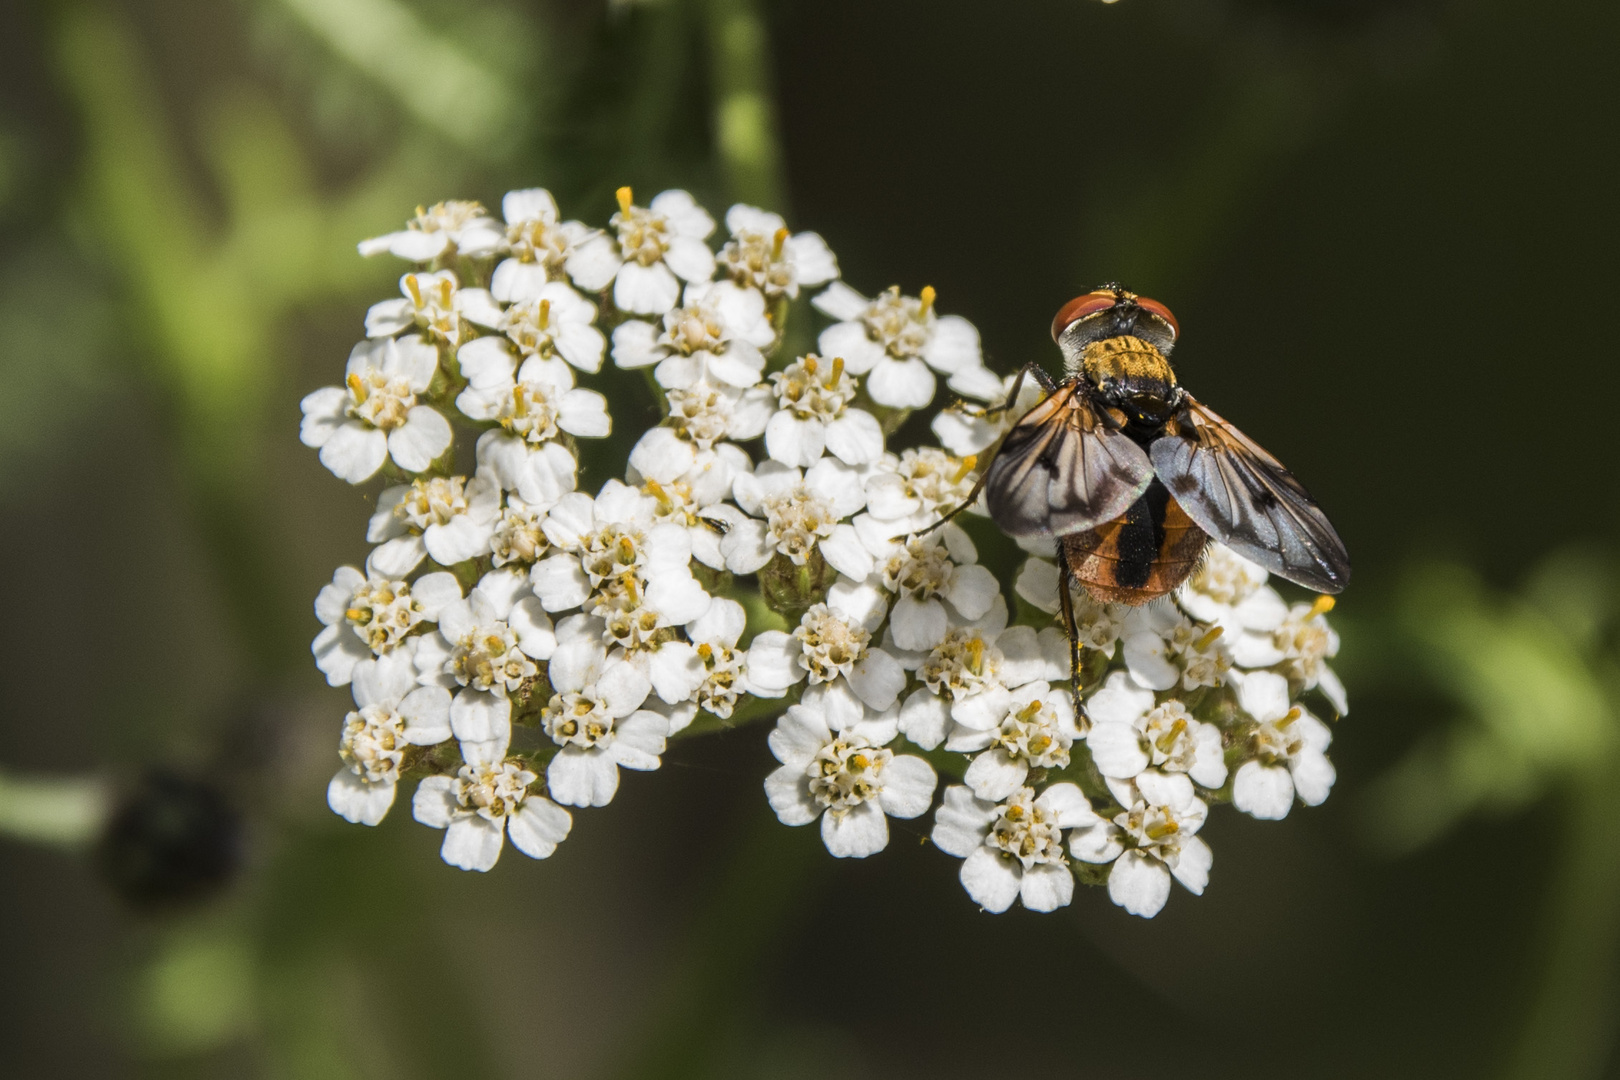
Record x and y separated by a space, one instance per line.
1061 470
1243 497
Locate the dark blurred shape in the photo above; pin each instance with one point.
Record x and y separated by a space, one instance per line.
173 841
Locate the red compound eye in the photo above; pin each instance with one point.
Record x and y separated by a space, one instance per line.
1081 306
1153 307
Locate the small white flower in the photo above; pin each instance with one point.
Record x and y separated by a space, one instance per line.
689 438
969 677
1286 750
816 414
1036 733
436 305
835 767
614 557
894 340
715 339
371 614
1163 648
1098 626
1014 850
391 714
556 322
1130 734
651 251
489 799
1230 591
376 415
964 428
799 511
595 716
539 248
832 643
1305 642
533 405
485 648
1149 842
935 579
764 254
447 518
724 667
453 227
518 536
912 492
691 504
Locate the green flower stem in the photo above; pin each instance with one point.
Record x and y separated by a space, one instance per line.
59 811
744 102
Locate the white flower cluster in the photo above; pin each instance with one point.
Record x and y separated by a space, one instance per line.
513 643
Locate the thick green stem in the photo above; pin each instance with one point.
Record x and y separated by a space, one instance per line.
63 811
1569 1030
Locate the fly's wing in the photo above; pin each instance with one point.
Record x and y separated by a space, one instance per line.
1243 497
1061 470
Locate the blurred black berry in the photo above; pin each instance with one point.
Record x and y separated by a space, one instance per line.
171 841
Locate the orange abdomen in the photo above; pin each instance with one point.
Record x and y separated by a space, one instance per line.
1140 555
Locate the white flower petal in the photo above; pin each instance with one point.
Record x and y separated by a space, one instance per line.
1046 887
434 803
354 452
354 800
645 290
538 827
1139 884
472 843
478 716
908 786
991 880
877 679
862 831
788 792
1263 791
424 437
923 718
578 777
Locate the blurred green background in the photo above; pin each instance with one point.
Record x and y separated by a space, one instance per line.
1388 229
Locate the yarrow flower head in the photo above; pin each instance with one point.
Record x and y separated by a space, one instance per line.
517 643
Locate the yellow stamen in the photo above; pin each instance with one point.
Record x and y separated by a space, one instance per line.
810 365
1293 714
358 388
545 314
1208 639
1159 832
623 195
355 614
1030 711
927 297
1321 606
837 372
414 289
967 467
657 490
860 761
421 211
976 654
520 405
777 242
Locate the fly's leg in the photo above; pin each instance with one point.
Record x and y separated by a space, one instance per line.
1046 384
1066 601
